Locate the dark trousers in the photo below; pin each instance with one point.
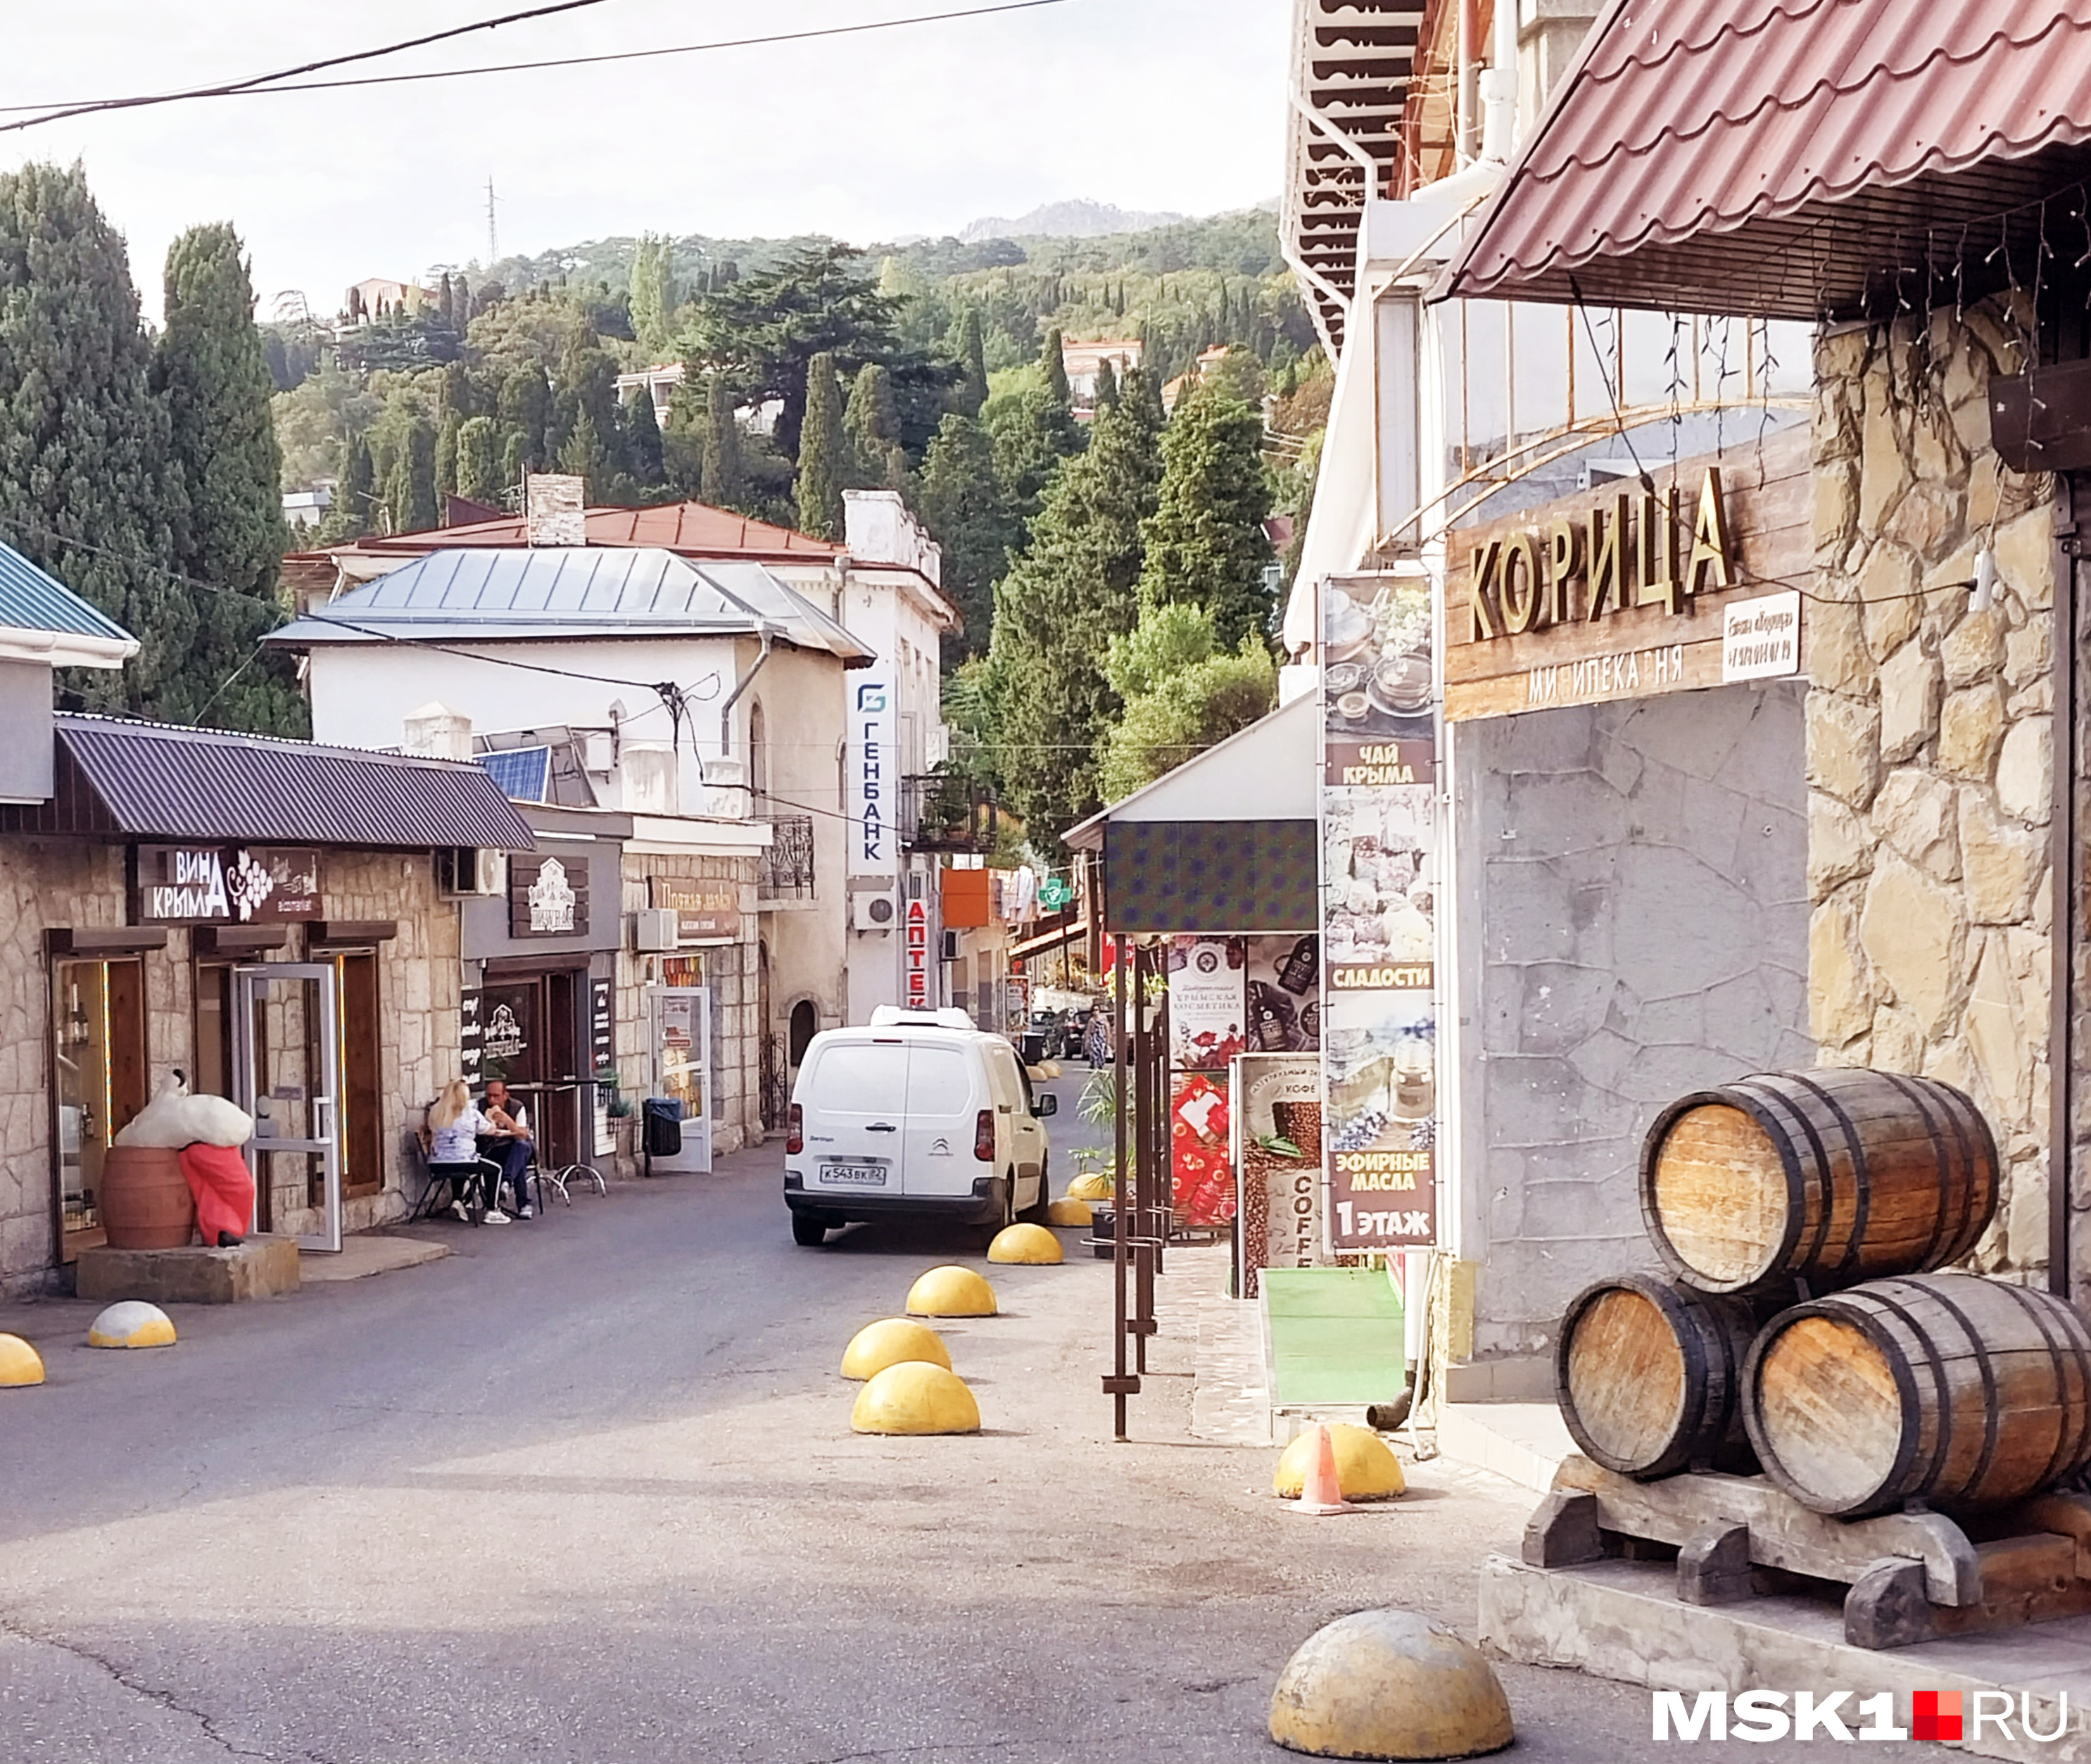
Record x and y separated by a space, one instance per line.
513 1155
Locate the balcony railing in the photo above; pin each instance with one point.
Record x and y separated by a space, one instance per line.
787 866
941 813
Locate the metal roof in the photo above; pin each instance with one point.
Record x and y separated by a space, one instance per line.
142 780
31 599
694 530
550 592
1793 158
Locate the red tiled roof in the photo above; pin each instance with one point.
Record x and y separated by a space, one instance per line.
1792 157
694 530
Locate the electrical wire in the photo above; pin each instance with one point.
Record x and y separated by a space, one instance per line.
248 89
434 646
241 87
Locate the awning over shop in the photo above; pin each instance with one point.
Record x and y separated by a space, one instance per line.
1225 843
1791 158
118 780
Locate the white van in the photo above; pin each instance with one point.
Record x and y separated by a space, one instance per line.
921 1113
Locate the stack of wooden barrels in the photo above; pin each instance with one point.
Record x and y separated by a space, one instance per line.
1803 1332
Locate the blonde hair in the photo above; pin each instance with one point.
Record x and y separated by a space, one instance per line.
455 1099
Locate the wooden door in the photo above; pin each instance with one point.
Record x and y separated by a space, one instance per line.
362 1138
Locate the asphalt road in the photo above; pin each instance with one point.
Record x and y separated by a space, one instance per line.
587 1491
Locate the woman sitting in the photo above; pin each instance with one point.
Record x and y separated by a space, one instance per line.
455 1125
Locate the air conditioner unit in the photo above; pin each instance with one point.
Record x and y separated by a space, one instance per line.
875 911
656 931
467 870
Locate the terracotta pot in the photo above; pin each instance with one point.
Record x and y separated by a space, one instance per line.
145 1198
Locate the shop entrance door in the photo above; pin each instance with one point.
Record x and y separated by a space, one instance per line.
287 1074
682 1023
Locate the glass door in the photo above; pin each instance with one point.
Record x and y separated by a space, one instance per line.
287 1074
682 1022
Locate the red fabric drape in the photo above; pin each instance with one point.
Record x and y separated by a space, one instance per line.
224 1189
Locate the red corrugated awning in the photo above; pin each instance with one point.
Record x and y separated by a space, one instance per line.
1795 158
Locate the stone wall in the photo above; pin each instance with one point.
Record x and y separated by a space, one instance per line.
731 971
1632 924
1929 744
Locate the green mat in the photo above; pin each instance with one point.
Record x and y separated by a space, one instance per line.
1335 1335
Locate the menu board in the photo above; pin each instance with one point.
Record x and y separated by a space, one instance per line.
1379 942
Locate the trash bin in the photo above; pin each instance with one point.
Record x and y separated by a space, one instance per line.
661 1122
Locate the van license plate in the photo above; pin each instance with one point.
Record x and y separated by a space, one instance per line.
857 1175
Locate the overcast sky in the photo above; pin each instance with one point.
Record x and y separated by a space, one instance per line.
1150 104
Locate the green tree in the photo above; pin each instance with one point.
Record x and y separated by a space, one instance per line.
653 291
1107 384
961 501
586 386
875 459
446 455
722 482
89 488
821 452
1053 365
410 484
516 459
642 439
1206 546
1181 691
479 474
970 349
582 455
1056 611
525 407
355 495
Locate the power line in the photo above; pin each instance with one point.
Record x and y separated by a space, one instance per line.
238 88
261 87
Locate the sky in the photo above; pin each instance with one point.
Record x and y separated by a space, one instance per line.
1172 105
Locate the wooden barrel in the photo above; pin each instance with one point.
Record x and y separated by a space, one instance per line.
145 1198
1946 1388
1649 1375
1832 1177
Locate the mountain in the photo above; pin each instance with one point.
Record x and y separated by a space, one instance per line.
1067 220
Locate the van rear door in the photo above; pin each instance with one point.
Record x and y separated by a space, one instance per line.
853 1115
945 1096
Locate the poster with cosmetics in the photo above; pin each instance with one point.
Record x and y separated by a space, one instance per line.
1380 841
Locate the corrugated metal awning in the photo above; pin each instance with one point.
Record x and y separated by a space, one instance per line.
1793 159
141 780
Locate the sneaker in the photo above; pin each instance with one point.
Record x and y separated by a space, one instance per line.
458 1208
527 1212
495 1216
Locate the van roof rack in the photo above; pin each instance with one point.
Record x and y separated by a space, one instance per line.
886 1016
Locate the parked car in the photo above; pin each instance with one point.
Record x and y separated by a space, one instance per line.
920 1113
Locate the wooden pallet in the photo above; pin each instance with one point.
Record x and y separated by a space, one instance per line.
1913 1575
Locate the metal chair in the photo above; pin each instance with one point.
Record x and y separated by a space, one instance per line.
469 1184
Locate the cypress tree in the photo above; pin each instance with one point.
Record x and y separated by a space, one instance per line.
1206 545
1057 611
962 503
479 476
642 439
582 455
820 448
85 449
516 459
355 492
875 459
971 353
525 407
1053 362
446 456
1107 384
410 484
720 480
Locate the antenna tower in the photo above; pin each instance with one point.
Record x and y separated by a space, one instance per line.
492 238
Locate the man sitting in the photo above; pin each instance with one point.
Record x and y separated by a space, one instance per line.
508 1145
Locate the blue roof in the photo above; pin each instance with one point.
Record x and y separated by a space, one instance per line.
523 775
549 592
31 599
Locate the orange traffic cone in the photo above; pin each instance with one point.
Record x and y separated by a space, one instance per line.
1321 1493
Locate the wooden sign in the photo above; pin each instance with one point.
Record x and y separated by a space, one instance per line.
1620 592
705 912
547 897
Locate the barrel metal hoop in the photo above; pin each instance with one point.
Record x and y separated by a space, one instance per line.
1924 1098
1795 1181
1964 1111
1862 1175
1896 1485
2067 1449
1992 1419
1651 1147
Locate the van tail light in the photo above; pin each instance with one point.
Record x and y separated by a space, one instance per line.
795 1128
984 1137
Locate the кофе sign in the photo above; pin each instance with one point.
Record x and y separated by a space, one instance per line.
1627 593
226 885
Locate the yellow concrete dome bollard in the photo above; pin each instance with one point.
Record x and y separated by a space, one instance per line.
19 1363
1366 1466
1389 1684
894 1341
132 1324
915 1397
1074 1213
1095 1186
1032 1245
951 1291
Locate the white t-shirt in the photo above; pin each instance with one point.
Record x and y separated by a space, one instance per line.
459 1143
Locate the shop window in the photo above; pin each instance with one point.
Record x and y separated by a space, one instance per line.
100 1082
